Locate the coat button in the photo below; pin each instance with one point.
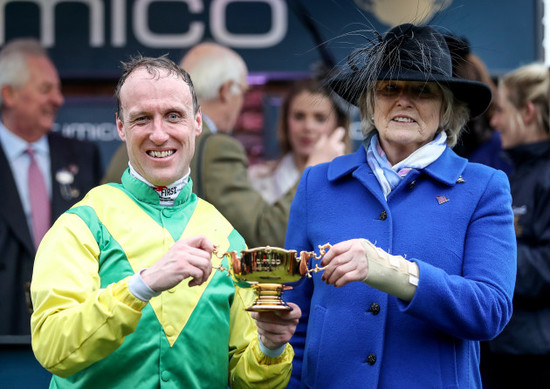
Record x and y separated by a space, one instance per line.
412 184
383 215
371 359
374 308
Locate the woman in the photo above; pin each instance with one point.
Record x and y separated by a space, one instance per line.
422 265
478 142
312 129
520 355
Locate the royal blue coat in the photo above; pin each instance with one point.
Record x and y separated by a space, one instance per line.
454 219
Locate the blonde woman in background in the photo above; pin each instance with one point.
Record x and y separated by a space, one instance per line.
312 129
520 355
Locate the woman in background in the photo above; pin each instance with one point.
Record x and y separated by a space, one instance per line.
520 355
312 129
479 142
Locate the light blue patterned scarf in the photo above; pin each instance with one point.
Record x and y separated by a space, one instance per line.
389 176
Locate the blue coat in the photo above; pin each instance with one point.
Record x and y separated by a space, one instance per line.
454 219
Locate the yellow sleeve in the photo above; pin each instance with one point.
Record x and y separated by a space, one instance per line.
76 323
249 367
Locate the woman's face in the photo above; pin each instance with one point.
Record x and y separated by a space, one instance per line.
309 117
406 115
507 120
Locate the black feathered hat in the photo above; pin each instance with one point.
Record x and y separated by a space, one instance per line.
407 53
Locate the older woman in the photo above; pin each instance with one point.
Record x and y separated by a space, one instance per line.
422 265
520 355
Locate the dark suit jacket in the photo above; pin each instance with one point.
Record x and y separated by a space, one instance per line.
16 245
219 174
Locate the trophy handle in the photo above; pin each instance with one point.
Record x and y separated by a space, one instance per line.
306 255
233 260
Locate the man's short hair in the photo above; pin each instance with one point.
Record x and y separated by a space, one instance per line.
14 71
153 67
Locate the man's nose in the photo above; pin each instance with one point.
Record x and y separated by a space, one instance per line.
57 97
158 134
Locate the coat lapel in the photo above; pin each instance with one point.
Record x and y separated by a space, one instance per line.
11 209
61 158
448 168
356 165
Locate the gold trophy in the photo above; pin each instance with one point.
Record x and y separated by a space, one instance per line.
267 270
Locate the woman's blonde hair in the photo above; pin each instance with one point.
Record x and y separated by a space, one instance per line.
530 83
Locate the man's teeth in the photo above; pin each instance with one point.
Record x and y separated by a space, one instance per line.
405 120
161 154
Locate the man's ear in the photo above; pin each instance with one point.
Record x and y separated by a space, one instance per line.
224 92
120 128
8 95
198 123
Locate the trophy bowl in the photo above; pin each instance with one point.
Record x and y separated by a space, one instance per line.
267 269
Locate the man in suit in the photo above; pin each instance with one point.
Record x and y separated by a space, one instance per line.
30 95
219 167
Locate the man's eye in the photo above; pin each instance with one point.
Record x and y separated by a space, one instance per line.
139 120
174 116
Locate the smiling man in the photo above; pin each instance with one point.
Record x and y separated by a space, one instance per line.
123 285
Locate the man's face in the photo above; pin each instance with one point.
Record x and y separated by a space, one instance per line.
33 107
158 125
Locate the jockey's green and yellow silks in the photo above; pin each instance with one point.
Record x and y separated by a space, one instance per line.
89 328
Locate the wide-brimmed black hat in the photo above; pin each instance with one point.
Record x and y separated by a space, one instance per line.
407 53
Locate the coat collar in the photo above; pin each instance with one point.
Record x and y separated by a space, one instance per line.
146 194
209 124
447 169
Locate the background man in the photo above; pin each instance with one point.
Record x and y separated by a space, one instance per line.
43 173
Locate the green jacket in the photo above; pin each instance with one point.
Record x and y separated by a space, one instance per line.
89 329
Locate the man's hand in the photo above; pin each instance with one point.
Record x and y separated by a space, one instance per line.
187 258
277 327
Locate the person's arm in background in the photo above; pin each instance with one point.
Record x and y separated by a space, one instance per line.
226 185
533 277
117 165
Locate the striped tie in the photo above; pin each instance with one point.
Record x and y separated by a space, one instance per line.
40 201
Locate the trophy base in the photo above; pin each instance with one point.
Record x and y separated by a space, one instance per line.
269 298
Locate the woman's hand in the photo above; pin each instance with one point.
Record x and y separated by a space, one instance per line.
345 262
328 147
